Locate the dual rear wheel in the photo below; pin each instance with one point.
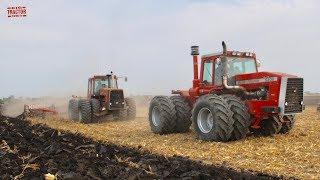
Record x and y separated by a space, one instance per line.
87 110
169 115
215 118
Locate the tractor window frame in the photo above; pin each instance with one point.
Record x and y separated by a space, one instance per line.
94 84
217 80
244 65
210 71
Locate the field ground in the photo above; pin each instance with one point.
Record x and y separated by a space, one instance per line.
295 154
37 151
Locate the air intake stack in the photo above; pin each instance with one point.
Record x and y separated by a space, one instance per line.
195 53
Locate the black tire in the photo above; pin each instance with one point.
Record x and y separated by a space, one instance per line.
120 114
222 121
241 116
271 126
73 109
131 108
183 114
288 125
85 114
95 105
162 115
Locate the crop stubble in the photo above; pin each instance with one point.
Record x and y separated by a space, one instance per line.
295 154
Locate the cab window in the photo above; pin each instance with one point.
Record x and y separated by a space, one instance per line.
207 72
100 83
218 72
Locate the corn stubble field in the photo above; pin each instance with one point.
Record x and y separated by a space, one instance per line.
296 154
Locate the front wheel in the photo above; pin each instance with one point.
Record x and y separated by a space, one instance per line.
212 118
271 126
241 116
288 124
131 108
120 114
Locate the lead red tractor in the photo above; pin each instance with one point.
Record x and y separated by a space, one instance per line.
104 97
230 99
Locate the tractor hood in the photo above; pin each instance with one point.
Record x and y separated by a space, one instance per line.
261 78
283 90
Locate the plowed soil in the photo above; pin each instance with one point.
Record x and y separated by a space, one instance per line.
30 151
296 154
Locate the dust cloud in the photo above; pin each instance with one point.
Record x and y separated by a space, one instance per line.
15 107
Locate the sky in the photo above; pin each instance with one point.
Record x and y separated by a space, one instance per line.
54 50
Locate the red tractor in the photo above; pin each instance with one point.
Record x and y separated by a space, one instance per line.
103 98
230 99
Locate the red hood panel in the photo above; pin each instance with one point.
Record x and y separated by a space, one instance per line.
262 75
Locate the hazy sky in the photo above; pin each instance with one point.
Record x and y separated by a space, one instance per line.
61 43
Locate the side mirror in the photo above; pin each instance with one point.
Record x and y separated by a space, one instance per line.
126 79
258 63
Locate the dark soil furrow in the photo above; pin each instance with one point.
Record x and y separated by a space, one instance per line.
30 151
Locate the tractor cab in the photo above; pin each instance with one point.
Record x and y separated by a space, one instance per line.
212 66
99 83
105 89
96 83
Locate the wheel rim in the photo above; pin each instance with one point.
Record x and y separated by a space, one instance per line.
205 120
155 116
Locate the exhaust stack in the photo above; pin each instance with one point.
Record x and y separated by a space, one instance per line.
224 77
195 53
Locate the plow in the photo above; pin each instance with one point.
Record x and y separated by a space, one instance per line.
39 111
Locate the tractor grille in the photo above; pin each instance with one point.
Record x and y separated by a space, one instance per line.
294 96
116 99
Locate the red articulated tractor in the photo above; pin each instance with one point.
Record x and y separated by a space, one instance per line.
103 98
230 99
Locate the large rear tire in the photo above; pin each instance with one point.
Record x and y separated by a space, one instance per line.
183 114
73 109
241 116
212 118
288 125
131 110
162 115
271 126
85 114
120 114
95 105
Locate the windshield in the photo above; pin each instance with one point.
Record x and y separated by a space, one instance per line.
238 65
102 83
